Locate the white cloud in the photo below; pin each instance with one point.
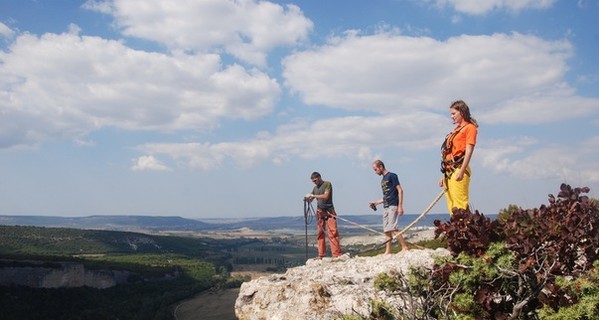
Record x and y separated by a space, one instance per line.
247 29
5 31
523 157
104 7
542 108
499 75
64 85
476 7
350 137
149 163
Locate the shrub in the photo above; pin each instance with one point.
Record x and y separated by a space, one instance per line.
527 264
467 232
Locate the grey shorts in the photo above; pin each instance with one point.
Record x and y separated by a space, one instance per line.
390 219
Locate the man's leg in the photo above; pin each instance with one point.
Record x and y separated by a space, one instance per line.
389 239
402 241
389 226
333 233
320 235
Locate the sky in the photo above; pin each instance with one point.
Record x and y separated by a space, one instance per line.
223 109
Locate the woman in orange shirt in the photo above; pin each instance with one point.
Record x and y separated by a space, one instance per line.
456 153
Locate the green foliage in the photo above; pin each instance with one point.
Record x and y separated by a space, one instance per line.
40 241
584 290
432 243
351 317
381 311
506 212
528 264
150 300
464 303
387 283
164 270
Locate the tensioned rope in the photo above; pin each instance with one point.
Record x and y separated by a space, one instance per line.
408 227
309 214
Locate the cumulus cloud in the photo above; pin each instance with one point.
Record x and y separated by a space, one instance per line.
64 86
149 163
352 137
477 7
408 82
5 31
389 73
529 158
59 86
246 29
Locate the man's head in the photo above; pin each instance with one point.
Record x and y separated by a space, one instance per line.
378 167
315 177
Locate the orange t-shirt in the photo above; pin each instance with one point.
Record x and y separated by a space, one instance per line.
467 135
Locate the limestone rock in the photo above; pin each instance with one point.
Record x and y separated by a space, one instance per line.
326 288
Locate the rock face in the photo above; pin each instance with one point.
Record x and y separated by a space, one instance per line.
326 288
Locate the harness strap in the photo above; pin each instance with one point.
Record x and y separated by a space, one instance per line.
449 166
326 214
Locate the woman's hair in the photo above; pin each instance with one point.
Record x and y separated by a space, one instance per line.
463 109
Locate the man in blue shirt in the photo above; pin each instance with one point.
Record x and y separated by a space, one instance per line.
392 201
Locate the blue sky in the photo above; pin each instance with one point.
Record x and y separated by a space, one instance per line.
217 108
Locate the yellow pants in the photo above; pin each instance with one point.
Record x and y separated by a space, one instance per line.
457 191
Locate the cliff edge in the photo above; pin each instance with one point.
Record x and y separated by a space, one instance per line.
326 288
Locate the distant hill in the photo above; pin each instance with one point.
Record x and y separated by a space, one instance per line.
174 223
108 222
15 240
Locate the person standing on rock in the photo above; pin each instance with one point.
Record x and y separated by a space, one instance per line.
326 215
456 152
392 201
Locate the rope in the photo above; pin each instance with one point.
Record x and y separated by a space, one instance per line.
309 216
359 225
408 227
308 212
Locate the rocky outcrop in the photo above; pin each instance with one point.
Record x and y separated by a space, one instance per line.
326 288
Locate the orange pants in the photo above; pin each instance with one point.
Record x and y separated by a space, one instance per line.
328 222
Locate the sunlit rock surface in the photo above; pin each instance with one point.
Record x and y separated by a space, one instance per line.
327 288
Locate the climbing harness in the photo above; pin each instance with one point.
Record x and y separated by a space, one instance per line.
448 166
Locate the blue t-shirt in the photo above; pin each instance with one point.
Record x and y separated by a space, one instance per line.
389 185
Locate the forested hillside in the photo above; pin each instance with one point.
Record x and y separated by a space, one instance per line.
198 264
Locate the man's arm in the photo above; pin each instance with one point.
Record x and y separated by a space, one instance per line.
323 196
400 199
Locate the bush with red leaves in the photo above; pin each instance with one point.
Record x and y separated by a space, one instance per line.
558 239
467 232
562 236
